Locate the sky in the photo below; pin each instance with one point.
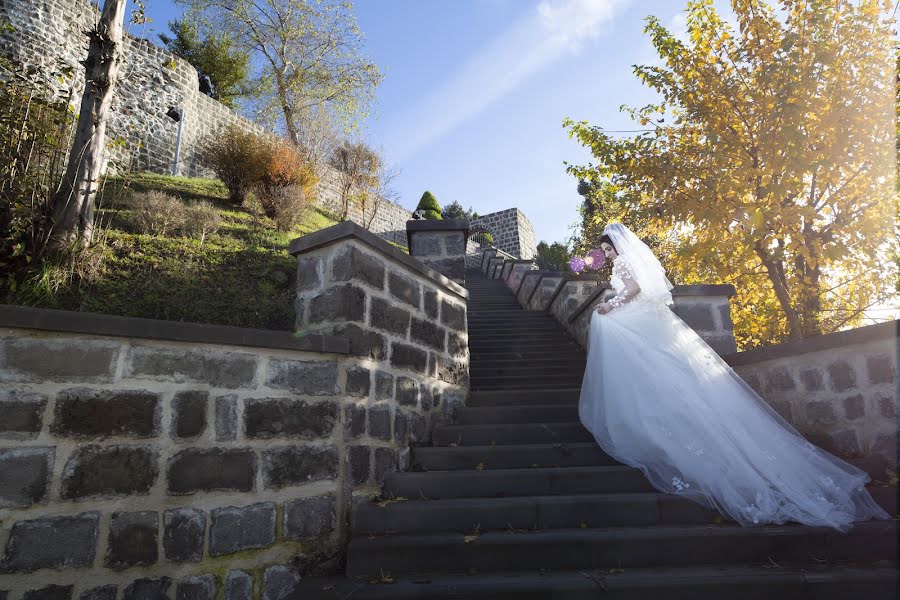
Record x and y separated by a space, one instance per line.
475 92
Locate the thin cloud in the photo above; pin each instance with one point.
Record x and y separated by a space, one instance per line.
554 29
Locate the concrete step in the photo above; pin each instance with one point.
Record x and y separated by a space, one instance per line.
495 483
570 354
564 395
524 456
511 433
619 547
521 367
520 335
518 384
485 415
703 582
558 376
533 513
527 345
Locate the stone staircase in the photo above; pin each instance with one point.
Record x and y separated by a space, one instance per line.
515 500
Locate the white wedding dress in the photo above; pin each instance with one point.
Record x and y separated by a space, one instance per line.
657 397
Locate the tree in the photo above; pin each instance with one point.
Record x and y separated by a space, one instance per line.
382 192
769 160
73 205
430 207
455 210
553 257
357 166
214 56
310 55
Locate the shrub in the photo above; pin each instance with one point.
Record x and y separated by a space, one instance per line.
430 207
287 206
238 158
156 213
286 184
201 219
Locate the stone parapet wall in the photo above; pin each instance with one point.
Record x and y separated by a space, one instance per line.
440 245
516 273
839 390
512 231
545 290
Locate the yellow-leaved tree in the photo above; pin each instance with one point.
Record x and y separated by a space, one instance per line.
768 162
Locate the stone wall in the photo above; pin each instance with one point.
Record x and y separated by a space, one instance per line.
839 390
512 231
440 245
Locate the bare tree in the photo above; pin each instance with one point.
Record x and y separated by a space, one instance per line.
318 136
383 191
357 168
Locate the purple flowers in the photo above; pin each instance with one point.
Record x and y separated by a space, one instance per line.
593 261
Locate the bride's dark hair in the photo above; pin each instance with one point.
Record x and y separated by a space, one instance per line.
608 240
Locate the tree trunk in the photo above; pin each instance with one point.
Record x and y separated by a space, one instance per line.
73 206
289 124
781 292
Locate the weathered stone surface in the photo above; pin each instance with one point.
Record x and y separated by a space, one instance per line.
426 395
457 345
308 377
843 443
698 316
359 382
820 412
407 391
401 429
405 289
183 532
451 371
431 367
854 407
189 413
813 379
103 592
219 369
425 244
363 343
41 360
404 356
783 408
358 457
725 316
842 375
453 315
21 413
196 587
226 417
384 386
779 379
427 333
887 406
83 412
309 273
385 462
452 268
339 303
309 517
418 429
454 244
198 469
881 369
352 264
23 475
886 445
267 418
380 422
752 380
49 592
74 543
280 582
109 471
354 421
385 315
238 586
148 589
431 304
132 540
292 465
236 528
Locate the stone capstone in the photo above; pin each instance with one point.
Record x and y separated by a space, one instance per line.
240 528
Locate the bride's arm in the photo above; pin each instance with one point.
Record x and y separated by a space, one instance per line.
630 290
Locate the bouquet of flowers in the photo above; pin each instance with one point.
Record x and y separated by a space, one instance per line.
592 261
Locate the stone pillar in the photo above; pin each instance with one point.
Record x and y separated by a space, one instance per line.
440 245
706 309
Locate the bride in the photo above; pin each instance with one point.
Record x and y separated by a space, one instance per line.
657 398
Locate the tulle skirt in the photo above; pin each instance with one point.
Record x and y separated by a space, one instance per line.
657 397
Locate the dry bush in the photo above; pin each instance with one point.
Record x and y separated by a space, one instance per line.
287 178
238 158
288 205
157 213
201 219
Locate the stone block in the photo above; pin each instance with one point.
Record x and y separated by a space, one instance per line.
427 333
842 375
783 408
49 592
236 528
752 379
183 532
401 429
109 471
820 413
83 412
267 418
451 371
725 316
431 304
196 587
238 586
418 430
886 445
405 289
453 315
307 377
354 421
388 317
339 303
380 422
779 379
843 443
359 382
292 465
411 358
43 360
309 517
226 417
198 469
358 457
432 367
24 475
453 268
74 543
697 315
132 540
384 386
352 264
21 413
813 379
280 583
457 345
425 244
880 369
309 273
189 413
148 589
102 592
407 391
426 396
218 369
454 244
363 343
854 407
385 462
887 406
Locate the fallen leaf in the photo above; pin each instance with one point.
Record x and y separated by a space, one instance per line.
389 501
384 579
480 466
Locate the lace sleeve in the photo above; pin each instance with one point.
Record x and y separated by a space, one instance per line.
631 288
